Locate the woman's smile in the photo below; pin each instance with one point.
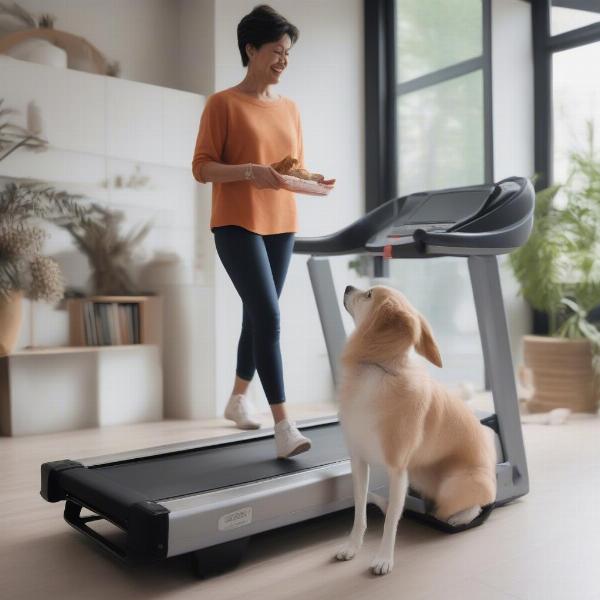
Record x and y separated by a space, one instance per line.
278 68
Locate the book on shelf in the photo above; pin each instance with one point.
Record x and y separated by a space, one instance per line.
115 320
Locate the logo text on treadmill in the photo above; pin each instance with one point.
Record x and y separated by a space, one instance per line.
238 518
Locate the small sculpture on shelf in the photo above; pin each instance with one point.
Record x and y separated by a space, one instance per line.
14 136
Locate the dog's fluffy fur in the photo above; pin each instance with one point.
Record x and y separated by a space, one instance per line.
394 414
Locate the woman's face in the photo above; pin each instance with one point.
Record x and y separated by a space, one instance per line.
270 60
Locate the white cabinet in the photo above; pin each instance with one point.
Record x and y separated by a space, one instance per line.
71 103
59 389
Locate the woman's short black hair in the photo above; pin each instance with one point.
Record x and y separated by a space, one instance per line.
262 26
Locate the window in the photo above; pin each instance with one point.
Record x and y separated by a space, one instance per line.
440 136
428 96
576 101
566 36
573 14
428 99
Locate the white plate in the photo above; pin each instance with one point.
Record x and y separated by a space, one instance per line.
305 186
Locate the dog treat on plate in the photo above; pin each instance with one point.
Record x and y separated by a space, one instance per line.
288 166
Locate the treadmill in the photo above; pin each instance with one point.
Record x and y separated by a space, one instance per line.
208 497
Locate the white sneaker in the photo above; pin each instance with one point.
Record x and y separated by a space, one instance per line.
288 440
238 409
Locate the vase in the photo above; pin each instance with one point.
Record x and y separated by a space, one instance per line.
81 55
11 316
39 51
562 374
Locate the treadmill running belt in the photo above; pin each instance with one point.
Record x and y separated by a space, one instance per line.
196 471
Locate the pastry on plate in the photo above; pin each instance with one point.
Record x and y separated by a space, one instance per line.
289 166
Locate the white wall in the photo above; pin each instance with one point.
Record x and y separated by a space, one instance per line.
512 89
196 62
325 79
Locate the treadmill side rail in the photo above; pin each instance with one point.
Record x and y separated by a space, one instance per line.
106 459
212 518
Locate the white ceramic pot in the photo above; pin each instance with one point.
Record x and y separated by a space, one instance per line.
39 51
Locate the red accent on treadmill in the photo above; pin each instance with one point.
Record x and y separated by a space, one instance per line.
387 251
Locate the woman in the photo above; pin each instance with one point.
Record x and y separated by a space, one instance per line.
242 131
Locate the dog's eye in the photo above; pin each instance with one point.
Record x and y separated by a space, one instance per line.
369 293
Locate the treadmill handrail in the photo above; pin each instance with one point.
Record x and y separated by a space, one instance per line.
500 241
357 232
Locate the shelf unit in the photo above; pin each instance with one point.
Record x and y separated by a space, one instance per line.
149 312
79 387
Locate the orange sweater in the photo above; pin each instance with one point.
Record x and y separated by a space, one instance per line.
237 129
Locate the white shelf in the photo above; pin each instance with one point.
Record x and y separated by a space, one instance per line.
71 349
79 387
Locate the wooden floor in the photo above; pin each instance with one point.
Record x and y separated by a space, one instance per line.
545 546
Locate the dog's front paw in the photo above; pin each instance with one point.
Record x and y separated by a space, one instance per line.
382 565
348 551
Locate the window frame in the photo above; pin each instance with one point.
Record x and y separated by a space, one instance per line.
382 91
545 45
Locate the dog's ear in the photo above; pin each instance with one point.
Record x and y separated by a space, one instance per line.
426 345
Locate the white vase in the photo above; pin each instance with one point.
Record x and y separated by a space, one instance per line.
39 51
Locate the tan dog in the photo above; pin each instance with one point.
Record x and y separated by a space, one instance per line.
394 414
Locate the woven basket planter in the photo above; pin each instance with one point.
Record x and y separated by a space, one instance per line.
561 373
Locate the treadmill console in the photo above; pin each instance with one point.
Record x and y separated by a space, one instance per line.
433 211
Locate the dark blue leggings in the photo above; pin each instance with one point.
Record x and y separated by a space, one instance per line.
257 265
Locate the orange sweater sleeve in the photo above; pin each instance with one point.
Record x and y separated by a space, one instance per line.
212 134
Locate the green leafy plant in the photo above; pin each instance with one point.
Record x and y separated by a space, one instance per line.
558 269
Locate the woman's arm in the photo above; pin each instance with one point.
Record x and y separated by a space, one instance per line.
262 176
219 173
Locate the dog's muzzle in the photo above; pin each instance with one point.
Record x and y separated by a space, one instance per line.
347 292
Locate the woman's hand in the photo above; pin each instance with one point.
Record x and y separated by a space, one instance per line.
264 176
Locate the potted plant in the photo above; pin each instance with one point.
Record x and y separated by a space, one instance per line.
24 270
109 252
558 270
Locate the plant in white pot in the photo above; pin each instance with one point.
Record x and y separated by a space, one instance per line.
24 270
558 270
